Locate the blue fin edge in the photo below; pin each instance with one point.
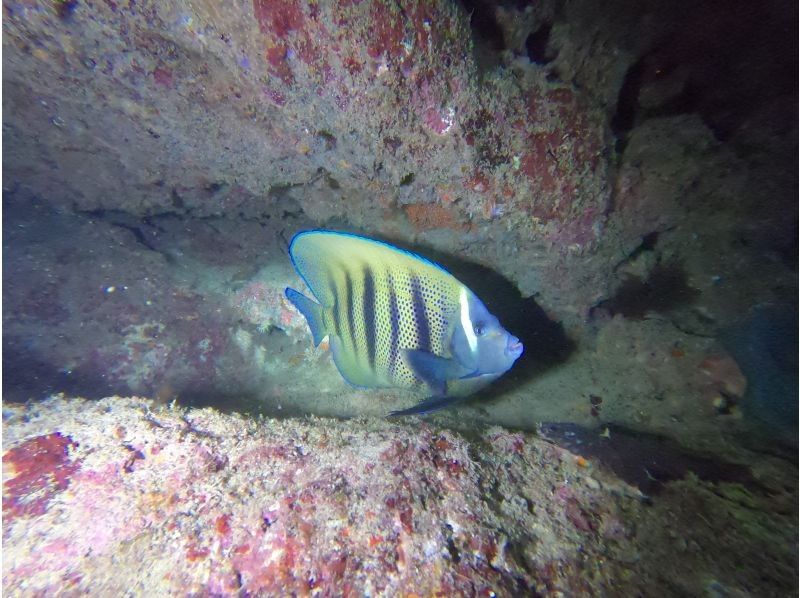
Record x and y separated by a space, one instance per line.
312 312
426 406
321 231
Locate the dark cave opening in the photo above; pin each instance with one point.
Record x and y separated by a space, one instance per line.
536 45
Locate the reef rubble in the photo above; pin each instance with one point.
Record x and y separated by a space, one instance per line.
125 496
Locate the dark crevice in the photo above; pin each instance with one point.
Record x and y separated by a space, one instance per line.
487 34
703 332
133 224
723 65
666 288
137 234
65 9
28 374
647 461
452 549
516 549
484 24
627 103
536 45
648 243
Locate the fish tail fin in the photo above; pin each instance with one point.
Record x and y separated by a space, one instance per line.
312 312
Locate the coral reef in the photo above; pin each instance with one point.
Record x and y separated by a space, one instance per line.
537 144
264 100
124 496
617 181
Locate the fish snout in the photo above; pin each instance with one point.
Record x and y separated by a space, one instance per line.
513 346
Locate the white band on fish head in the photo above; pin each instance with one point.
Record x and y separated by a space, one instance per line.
466 322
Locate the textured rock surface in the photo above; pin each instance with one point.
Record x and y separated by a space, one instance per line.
617 181
391 120
360 112
121 496
159 156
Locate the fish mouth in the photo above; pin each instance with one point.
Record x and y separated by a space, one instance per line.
513 347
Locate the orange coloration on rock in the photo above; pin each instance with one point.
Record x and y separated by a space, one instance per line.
195 554
540 162
442 444
387 33
276 57
278 17
287 317
431 216
447 196
223 525
724 374
478 182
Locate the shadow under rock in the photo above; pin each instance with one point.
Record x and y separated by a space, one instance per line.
199 397
666 288
29 377
647 461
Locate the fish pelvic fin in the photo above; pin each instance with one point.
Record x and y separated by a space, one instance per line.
312 312
426 406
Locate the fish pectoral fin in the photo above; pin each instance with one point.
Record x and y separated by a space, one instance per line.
426 406
468 375
312 312
435 371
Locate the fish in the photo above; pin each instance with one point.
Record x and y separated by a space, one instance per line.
395 319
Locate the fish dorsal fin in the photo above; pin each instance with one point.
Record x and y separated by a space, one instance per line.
319 254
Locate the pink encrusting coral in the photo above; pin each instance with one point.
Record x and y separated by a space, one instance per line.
37 470
120 496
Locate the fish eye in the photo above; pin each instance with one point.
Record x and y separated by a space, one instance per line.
479 329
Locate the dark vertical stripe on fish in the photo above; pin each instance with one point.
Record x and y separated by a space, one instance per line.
335 306
420 315
337 325
394 322
350 306
369 315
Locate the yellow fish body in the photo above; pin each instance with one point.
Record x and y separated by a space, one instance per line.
395 319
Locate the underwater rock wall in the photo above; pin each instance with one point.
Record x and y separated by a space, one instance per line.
123 496
363 114
488 133
159 156
617 180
